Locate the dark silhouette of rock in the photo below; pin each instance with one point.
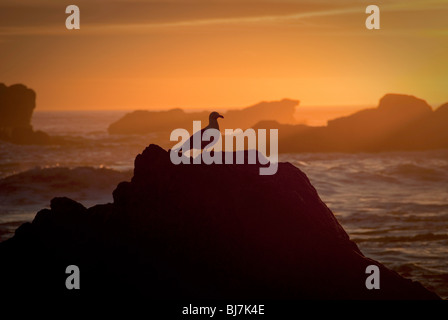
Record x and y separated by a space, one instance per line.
371 129
17 103
427 132
281 111
400 122
140 122
197 231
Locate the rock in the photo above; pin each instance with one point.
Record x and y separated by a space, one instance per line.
198 231
17 103
427 131
405 105
400 122
281 111
370 130
434 128
442 111
393 112
142 122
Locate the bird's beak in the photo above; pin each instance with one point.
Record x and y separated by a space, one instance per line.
220 116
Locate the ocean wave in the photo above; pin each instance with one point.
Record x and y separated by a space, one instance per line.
409 268
416 238
413 171
42 184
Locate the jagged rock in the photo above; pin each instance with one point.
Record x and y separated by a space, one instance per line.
198 231
400 122
139 122
17 103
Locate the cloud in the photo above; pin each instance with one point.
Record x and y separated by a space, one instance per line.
148 26
138 17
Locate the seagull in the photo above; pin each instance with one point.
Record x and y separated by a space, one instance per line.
212 124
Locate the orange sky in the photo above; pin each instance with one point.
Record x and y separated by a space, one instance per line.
223 53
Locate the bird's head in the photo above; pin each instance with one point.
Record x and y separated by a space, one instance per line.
215 115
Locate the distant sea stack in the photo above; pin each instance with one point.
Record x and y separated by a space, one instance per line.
142 122
17 103
399 123
196 231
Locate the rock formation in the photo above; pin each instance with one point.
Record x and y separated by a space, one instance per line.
373 129
140 122
399 123
17 103
197 231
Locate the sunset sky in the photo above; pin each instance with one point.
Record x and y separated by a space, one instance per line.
132 54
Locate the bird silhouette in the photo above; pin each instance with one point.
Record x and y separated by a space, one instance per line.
212 124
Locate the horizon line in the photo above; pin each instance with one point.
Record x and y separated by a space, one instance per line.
198 109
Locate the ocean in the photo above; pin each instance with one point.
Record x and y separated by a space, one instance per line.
394 205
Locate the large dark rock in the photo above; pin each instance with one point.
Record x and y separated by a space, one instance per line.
198 231
375 129
17 103
428 132
141 122
393 112
399 123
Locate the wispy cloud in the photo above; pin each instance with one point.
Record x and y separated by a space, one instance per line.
151 26
279 19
